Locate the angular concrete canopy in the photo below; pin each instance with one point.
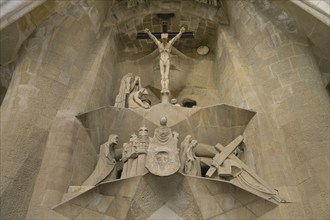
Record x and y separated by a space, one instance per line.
142 197
210 125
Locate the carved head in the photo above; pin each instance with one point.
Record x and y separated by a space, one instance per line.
164 37
174 101
143 131
132 137
137 80
162 158
163 121
113 138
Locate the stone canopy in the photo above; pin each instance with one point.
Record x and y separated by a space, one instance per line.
188 197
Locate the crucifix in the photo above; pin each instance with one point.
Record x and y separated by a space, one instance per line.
164 18
164 48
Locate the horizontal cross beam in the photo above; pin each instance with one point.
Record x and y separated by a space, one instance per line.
170 35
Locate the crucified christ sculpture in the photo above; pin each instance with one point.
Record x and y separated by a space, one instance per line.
164 48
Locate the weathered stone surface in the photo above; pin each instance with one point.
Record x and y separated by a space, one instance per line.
271 57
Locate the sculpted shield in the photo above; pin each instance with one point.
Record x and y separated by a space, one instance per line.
163 155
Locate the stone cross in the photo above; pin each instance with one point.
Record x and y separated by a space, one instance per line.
225 152
164 18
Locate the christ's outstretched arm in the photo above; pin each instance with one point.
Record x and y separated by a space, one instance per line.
171 42
152 37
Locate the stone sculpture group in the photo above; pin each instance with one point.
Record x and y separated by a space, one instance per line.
161 155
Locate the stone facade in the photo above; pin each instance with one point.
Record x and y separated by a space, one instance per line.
61 67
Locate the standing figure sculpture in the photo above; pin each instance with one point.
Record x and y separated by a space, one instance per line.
164 48
128 157
124 159
134 154
105 167
192 165
183 151
141 150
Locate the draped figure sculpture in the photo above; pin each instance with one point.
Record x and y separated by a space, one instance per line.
134 154
164 48
139 99
129 84
141 149
183 151
128 156
192 164
106 165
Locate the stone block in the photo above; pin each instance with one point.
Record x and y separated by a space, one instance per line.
281 67
284 52
271 85
288 78
301 61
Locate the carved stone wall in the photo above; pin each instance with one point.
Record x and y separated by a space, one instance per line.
273 72
73 60
59 77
